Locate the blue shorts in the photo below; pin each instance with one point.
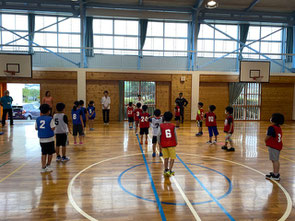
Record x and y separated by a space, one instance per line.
213 130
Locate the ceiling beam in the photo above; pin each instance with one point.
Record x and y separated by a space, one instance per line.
198 4
252 5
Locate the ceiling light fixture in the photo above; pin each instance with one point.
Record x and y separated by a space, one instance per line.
211 4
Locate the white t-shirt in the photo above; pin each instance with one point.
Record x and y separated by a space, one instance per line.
155 124
106 102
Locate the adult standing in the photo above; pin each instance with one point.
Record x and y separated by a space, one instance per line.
139 100
182 102
48 100
106 106
6 102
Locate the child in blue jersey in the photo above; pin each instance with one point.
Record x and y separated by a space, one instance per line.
91 114
78 126
45 127
83 111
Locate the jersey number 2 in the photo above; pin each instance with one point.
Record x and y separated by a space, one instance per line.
42 124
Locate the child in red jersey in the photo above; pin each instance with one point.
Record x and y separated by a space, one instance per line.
144 124
200 117
211 124
130 110
136 113
273 141
168 141
177 114
228 128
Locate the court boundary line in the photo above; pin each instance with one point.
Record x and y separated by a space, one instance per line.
287 195
206 190
3 164
13 172
152 182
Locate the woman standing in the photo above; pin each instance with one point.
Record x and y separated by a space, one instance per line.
48 100
106 106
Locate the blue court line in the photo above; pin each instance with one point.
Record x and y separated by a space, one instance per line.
152 182
1 165
169 203
209 193
5 152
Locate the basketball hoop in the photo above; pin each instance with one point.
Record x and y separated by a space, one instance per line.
9 73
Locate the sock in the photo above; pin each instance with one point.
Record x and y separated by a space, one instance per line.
276 174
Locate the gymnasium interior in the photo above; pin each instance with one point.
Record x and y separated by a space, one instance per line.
218 52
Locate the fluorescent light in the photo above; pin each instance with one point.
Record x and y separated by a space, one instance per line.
211 4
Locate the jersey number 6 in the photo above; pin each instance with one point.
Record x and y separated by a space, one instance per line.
168 133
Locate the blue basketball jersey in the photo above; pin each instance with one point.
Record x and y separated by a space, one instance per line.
91 110
83 111
76 116
43 127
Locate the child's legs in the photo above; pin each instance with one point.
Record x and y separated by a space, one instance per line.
49 159
64 151
200 126
154 141
43 160
171 163
215 131
210 130
276 167
75 132
75 139
57 150
172 156
166 161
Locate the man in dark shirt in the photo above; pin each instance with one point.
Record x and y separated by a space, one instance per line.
182 103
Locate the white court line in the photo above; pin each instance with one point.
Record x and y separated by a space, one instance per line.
289 200
188 203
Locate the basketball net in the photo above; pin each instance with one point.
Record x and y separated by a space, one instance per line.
9 73
257 78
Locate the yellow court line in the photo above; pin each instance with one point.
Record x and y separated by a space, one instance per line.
293 161
13 172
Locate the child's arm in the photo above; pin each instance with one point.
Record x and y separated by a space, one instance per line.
230 127
81 119
36 128
175 134
66 120
270 133
266 138
159 137
52 124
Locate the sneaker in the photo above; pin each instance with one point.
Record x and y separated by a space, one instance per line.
231 149
271 176
166 173
214 142
161 154
177 126
198 134
141 143
58 159
154 155
48 169
75 143
201 133
172 173
224 147
65 159
43 170
209 142
81 143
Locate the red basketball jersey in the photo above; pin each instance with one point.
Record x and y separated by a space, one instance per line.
144 120
200 114
227 124
177 111
137 113
130 111
210 119
168 138
276 142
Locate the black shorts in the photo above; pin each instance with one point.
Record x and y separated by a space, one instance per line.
130 119
77 128
144 131
177 118
47 148
200 123
155 139
61 140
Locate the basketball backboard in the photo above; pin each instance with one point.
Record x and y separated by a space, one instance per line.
16 65
255 71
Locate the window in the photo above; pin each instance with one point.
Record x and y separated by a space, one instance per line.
271 44
146 89
18 24
247 105
115 34
59 37
166 36
212 43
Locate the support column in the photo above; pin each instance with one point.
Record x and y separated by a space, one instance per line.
293 56
195 94
83 59
293 112
81 85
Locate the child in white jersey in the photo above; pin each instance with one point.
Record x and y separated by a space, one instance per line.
61 132
155 124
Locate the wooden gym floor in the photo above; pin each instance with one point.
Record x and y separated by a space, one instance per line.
107 177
